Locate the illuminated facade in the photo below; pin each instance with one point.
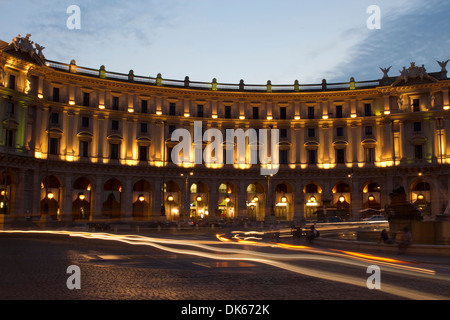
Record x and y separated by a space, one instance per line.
80 143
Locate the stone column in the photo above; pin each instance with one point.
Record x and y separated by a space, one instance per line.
66 205
98 198
213 200
241 200
157 199
126 200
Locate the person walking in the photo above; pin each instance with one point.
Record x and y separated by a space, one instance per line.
405 241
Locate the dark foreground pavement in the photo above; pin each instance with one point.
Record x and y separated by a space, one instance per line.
34 267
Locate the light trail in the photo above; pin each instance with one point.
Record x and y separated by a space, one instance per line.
265 258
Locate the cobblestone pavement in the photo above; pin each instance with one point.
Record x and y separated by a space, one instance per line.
35 267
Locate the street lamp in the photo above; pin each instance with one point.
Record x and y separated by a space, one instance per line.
170 200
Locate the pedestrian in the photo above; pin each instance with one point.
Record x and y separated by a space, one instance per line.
405 241
312 234
384 237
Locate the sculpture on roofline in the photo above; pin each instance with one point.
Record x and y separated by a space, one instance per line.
385 71
443 65
413 72
24 44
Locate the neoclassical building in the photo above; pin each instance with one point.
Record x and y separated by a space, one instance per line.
78 143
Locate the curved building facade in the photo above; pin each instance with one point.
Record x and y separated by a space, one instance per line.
88 144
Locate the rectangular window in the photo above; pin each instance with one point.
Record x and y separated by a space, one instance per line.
284 156
172 109
172 128
416 105
200 111
368 130
10 108
144 106
370 155
339 132
53 148
417 126
311 132
367 110
169 155
115 125
55 94
227 112
115 103
311 113
255 113
85 122
339 112
54 118
283 115
12 82
84 149
9 138
418 152
143 128
340 156
114 151
312 156
143 153
86 99
283 133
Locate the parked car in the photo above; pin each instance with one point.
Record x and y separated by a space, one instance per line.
375 218
334 219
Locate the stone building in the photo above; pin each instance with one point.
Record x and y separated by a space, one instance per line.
78 143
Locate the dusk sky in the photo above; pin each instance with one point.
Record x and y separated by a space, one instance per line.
254 40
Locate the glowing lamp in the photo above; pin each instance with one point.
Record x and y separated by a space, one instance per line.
283 199
227 199
420 197
241 117
170 198
2 193
341 199
50 195
101 106
72 103
199 199
255 199
141 198
81 197
371 198
40 96
159 113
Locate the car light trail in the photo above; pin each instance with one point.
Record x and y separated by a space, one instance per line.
259 257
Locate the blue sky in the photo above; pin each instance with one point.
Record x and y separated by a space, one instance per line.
254 40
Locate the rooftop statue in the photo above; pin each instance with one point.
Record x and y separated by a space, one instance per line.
24 44
413 72
385 71
443 65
